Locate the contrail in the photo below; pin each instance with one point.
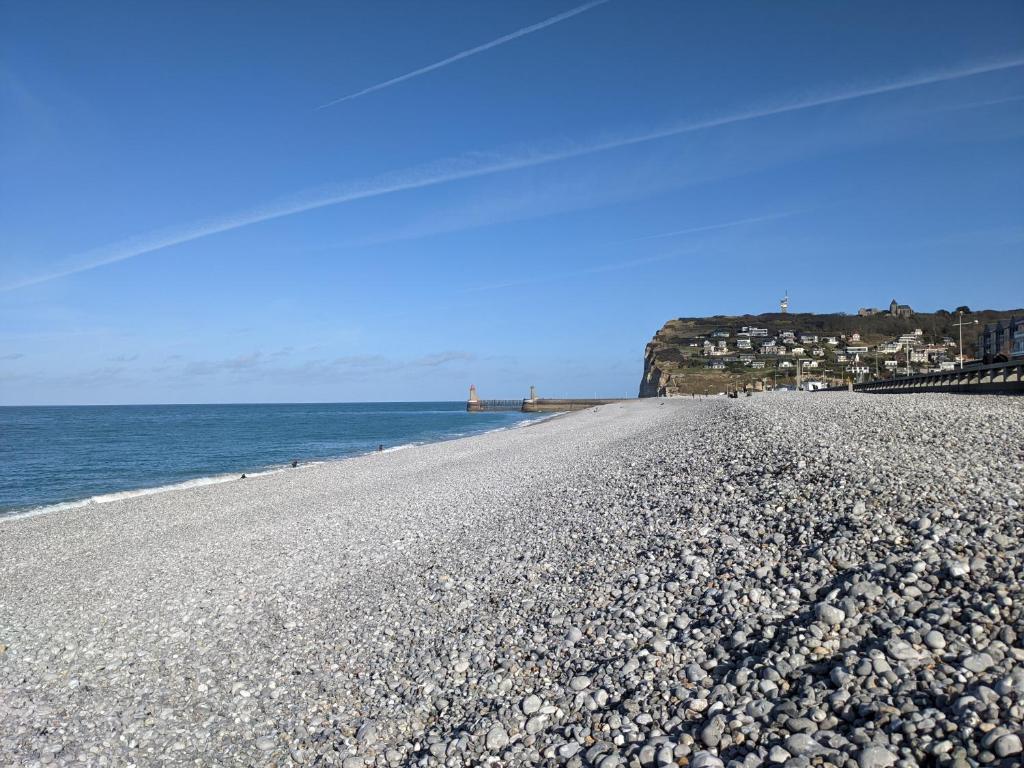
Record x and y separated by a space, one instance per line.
469 52
467 168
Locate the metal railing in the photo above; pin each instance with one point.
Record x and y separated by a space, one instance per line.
1005 377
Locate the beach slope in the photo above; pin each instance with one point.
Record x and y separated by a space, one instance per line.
820 578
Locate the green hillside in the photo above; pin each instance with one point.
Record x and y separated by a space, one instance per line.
676 363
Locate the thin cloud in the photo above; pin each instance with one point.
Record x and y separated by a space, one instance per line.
631 263
979 104
472 167
711 227
637 262
12 356
432 361
468 52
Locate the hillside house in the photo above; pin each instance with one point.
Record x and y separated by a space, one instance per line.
818 352
743 343
891 365
832 341
785 364
857 350
1000 338
757 364
716 365
755 332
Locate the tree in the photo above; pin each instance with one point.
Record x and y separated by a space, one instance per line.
965 309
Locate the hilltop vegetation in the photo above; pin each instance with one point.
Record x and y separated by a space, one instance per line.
676 361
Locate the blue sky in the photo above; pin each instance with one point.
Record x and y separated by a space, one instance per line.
215 202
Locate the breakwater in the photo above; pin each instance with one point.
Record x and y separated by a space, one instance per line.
534 404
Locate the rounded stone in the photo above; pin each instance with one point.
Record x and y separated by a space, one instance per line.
531 704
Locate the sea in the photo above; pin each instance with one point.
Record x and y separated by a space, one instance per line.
60 457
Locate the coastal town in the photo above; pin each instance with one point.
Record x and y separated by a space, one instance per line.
790 351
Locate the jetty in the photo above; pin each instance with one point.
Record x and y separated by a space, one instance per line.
534 404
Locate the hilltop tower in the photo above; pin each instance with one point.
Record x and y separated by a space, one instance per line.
784 304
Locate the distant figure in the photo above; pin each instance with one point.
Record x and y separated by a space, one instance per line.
242 477
380 447
295 464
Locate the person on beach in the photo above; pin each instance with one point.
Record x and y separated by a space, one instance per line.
295 464
242 477
380 447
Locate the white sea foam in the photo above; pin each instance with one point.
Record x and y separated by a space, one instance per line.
397 448
106 498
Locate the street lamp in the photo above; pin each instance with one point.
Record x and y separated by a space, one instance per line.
960 326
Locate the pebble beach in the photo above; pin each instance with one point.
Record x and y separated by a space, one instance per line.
805 579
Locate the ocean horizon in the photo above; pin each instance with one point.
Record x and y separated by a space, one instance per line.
65 456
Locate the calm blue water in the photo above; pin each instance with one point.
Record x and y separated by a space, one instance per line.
66 454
